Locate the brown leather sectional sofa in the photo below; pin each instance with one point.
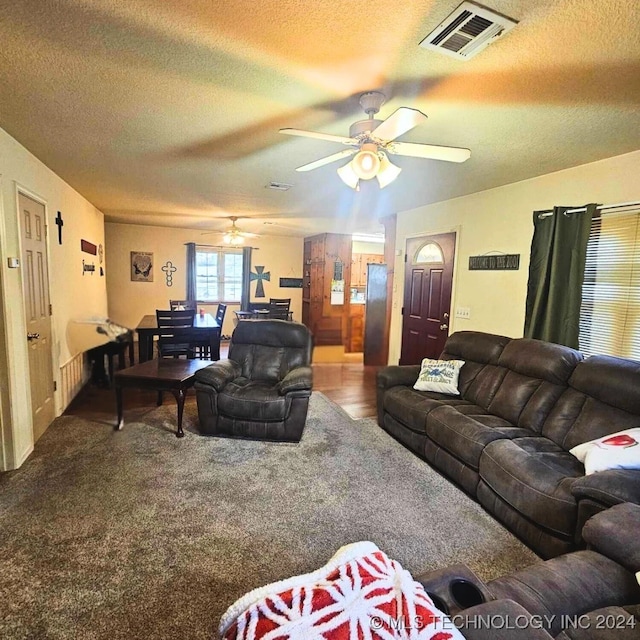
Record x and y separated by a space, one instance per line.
583 595
523 405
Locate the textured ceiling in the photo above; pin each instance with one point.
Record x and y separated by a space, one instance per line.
167 111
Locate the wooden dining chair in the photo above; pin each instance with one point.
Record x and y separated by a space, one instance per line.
279 308
172 343
203 348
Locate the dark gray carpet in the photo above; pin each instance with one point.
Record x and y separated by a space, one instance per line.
140 535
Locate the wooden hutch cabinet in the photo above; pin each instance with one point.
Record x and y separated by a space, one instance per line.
327 262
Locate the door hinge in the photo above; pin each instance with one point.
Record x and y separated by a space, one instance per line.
402 311
50 309
405 256
55 385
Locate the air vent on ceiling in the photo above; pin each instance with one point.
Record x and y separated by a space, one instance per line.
279 186
468 30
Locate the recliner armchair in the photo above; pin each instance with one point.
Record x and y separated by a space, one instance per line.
262 390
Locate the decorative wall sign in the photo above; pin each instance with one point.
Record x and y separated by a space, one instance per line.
259 276
169 269
60 224
88 267
88 247
291 283
505 262
141 266
100 253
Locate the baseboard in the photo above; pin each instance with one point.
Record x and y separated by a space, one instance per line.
23 456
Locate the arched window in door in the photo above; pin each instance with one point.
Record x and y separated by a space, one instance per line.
430 252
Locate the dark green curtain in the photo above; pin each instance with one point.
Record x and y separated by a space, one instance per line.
246 279
191 271
556 273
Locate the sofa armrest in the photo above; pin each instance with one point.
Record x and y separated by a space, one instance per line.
500 620
219 374
609 487
398 375
614 533
298 379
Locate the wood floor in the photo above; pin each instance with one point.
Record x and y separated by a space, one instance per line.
350 385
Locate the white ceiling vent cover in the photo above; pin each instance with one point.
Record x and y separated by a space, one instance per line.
467 31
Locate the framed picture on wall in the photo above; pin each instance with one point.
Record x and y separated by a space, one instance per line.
141 266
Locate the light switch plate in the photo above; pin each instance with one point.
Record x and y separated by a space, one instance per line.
463 312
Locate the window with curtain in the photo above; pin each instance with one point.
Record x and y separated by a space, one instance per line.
610 310
218 274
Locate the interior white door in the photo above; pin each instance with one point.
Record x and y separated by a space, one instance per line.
35 284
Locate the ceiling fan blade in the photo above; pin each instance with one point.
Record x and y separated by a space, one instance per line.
399 122
430 151
327 160
318 136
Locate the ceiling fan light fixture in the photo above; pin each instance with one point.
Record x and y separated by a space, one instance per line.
232 238
348 175
388 171
366 162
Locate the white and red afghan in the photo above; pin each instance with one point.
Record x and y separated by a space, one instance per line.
360 594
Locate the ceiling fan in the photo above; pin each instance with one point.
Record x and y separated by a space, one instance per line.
233 235
371 140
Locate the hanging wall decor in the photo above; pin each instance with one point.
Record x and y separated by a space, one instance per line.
503 262
259 276
141 266
60 224
88 247
291 283
169 269
90 267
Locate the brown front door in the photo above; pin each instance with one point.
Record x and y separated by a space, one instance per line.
35 284
427 296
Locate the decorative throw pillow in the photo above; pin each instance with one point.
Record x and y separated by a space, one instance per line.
440 376
619 450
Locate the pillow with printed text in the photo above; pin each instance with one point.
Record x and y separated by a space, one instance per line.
440 376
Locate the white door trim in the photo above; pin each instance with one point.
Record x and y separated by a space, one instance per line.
25 191
7 453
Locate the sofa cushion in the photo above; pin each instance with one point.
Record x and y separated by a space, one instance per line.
568 585
602 398
410 407
534 475
537 374
465 436
475 346
245 399
268 349
479 377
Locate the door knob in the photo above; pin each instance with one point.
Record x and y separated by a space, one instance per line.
33 336
445 316
444 327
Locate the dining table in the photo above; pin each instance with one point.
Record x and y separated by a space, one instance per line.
204 325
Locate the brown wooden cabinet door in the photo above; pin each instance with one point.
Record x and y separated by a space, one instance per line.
427 296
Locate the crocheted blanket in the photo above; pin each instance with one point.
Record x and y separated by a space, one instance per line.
359 594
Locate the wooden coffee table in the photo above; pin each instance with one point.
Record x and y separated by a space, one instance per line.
164 374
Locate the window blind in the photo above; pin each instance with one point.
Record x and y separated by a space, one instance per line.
610 310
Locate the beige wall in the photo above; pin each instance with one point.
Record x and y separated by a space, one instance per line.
129 301
367 247
501 220
73 295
